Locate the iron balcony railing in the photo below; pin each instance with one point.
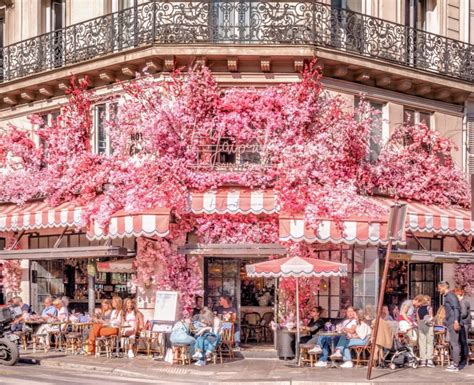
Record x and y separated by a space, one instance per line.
239 22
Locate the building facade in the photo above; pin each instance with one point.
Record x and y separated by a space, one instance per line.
412 59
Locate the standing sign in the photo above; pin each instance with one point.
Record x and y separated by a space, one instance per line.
166 307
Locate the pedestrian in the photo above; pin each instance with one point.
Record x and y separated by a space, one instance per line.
425 321
465 326
453 323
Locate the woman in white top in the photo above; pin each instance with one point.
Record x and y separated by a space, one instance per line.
359 336
132 320
106 327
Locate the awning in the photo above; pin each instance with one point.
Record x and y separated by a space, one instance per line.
38 215
367 231
434 219
118 266
432 256
148 223
233 201
64 253
352 231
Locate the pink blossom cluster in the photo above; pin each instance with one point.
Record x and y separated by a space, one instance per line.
464 276
316 156
159 265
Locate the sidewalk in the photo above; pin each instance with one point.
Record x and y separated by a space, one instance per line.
247 371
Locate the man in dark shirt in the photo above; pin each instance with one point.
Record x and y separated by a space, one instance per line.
228 313
453 323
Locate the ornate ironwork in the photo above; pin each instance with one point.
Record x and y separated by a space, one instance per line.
239 22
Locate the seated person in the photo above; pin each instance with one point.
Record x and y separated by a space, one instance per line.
322 347
181 333
359 337
316 323
105 324
228 313
49 314
24 311
49 311
132 319
207 337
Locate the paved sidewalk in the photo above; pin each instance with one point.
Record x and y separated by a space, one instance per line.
247 371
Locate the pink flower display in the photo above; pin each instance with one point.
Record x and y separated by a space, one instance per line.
312 151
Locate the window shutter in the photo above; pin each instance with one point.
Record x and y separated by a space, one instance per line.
470 143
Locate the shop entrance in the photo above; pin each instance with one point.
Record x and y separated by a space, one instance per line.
407 280
254 298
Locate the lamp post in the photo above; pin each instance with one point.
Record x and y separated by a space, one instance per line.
395 232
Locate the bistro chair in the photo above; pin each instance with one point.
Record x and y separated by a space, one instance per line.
362 353
305 357
265 322
441 349
252 327
39 342
226 346
149 342
181 354
105 345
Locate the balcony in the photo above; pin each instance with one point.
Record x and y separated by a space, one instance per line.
223 22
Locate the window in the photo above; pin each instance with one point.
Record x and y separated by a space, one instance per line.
413 116
56 21
48 119
102 113
379 129
365 278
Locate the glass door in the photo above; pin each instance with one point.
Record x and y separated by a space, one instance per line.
424 278
221 277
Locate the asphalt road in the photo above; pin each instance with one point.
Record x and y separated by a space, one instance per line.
24 374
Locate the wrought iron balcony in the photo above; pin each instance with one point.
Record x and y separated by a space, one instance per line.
245 22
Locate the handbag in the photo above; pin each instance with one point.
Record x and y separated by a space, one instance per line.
169 356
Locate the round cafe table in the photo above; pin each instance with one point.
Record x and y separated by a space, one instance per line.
334 336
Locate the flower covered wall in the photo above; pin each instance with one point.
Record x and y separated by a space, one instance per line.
313 152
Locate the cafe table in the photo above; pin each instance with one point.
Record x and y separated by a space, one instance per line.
286 341
334 337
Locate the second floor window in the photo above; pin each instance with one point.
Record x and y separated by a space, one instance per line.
378 132
48 119
100 137
413 116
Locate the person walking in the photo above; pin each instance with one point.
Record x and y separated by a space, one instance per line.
465 326
425 321
453 323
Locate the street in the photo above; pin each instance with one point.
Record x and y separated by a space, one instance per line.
25 374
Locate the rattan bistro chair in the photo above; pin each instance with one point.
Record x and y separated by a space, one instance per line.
252 327
226 346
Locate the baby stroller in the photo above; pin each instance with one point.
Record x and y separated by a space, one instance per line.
402 353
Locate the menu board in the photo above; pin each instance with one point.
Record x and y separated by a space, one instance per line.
166 306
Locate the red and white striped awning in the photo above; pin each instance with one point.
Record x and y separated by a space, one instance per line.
233 201
296 267
433 219
366 231
149 223
38 215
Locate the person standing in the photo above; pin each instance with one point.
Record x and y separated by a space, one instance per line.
453 323
424 317
465 326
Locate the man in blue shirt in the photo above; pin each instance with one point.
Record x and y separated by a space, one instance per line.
23 311
49 310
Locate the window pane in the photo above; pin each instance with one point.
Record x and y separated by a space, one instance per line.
425 117
101 135
409 116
